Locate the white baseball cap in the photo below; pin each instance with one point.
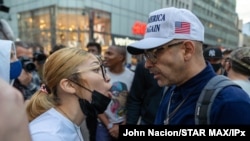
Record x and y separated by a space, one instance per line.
167 24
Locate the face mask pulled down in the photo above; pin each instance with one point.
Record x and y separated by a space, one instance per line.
97 106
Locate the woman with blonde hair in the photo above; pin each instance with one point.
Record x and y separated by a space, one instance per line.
75 86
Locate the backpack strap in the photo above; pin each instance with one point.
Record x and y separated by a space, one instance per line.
207 96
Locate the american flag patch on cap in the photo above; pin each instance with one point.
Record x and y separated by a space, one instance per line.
182 27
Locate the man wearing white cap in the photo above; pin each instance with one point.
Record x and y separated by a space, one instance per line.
173 50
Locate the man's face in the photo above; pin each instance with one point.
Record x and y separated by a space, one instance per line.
112 57
216 64
93 49
20 51
224 59
169 66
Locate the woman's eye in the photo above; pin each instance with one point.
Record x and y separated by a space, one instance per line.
96 70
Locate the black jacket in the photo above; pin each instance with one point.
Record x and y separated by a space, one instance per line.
144 97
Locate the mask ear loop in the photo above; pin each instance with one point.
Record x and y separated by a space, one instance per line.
80 85
13 50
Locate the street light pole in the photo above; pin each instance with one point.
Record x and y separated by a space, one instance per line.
91 25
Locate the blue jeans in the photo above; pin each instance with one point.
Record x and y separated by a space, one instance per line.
102 133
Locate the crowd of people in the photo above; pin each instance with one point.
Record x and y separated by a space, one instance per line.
54 94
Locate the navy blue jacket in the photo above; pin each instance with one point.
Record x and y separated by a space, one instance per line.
231 106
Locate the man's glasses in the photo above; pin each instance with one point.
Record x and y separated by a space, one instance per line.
151 55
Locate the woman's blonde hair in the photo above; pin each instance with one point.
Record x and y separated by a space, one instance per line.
59 65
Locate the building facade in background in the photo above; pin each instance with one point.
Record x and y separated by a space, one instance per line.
118 22
246 29
220 20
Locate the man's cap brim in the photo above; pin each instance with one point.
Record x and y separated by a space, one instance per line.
145 44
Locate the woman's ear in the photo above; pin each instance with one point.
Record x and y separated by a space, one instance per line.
67 86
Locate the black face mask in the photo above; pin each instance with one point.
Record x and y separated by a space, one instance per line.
97 106
216 67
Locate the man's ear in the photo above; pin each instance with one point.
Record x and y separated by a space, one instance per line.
67 86
189 50
121 57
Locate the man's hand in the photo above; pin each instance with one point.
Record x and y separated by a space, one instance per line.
25 78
